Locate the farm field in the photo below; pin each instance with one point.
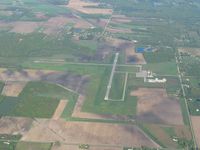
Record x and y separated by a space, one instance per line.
166 135
99 74
195 121
67 130
153 106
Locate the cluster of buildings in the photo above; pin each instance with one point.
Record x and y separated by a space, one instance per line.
149 77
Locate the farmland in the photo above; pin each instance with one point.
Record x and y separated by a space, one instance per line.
63 88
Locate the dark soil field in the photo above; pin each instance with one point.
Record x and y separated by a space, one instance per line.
66 79
15 125
72 44
153 106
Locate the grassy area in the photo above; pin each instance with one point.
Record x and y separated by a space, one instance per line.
151 134
5 144
77 69
172 85
135 83
36 46
159 56
1 86
164 68
99 76
190 66
194 82
35 106
184 111
91 44
7 105
162 25
192 89
70 106
141 148
40 100
193 94
44 89
165 135
117 86
131 69
95 97
194 107
27 9
33 146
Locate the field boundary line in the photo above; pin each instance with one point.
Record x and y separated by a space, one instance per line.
147 136
70 90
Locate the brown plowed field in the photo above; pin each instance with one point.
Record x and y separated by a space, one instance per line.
155 106
65 79
191 51
78 113
15 125
13 88
60 108
82 6
87 132
76 147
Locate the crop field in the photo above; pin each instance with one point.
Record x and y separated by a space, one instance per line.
109 131
195 122
13 88
153 106
165 135
190 51
38 146
6 137
61 86
88 7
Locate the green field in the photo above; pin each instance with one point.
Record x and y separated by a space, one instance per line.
1 86
135 83
49 35
161 55
7 104
190 66
27 9
194 107
117 87
33 145
164 68
95 98
38 99
164 135
5 138
35 46
129 69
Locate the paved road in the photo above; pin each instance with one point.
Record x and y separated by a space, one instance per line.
106 25
125 83
111 76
